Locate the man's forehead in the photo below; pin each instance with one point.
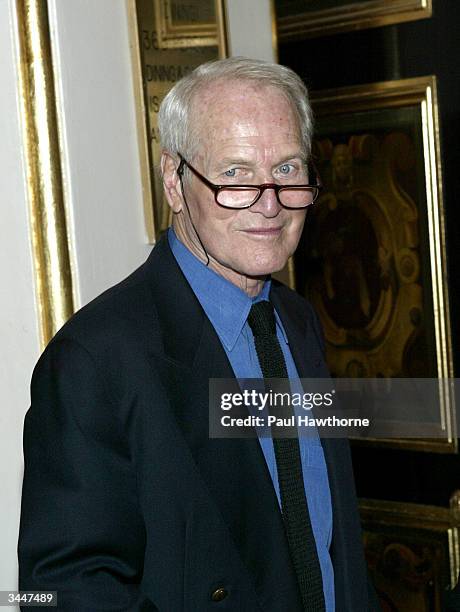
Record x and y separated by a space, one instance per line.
220 88
241 96
239 109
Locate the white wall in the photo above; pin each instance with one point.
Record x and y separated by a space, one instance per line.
100 154
103 193
249 25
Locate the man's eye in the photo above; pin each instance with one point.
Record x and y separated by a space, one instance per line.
285 168
230 172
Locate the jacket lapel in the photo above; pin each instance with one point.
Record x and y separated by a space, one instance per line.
233 470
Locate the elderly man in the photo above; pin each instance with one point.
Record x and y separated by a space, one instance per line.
128 504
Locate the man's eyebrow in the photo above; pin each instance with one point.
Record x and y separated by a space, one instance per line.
231 161
297 155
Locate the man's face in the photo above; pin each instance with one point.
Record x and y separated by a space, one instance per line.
247 136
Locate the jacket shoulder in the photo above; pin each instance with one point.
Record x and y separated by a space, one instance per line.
117 316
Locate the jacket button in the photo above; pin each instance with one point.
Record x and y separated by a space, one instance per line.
219 594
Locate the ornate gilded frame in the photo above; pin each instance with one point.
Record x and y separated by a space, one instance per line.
350 16
334 108
412 551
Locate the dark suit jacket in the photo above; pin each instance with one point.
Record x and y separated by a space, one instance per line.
127 502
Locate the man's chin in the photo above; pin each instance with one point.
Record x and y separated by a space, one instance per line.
263 270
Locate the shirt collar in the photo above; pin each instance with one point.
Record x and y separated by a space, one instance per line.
226 306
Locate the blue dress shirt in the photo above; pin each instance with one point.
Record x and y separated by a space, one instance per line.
227 307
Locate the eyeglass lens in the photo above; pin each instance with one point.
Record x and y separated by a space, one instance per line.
237 197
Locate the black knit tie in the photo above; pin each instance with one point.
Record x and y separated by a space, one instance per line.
296 517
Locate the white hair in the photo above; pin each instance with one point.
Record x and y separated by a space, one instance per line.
176 124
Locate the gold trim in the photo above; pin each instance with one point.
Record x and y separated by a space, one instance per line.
172 36
416 516
386 94
454 545
50 245
222 30
454 556
352 16
422 92
141 125
406 514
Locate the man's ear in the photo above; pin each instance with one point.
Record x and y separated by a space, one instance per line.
171 182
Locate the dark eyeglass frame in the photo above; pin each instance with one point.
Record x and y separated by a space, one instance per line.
261 188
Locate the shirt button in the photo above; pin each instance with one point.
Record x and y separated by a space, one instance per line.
219 594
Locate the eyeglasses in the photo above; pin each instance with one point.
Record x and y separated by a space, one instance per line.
244 196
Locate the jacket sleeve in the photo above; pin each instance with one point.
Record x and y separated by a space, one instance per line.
81 531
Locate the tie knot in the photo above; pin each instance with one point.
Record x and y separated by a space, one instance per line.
261 319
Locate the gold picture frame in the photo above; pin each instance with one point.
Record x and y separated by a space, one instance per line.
190 27
54 283
294 22
163 50
373 260
412 551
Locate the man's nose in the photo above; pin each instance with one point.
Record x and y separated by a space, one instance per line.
267 204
